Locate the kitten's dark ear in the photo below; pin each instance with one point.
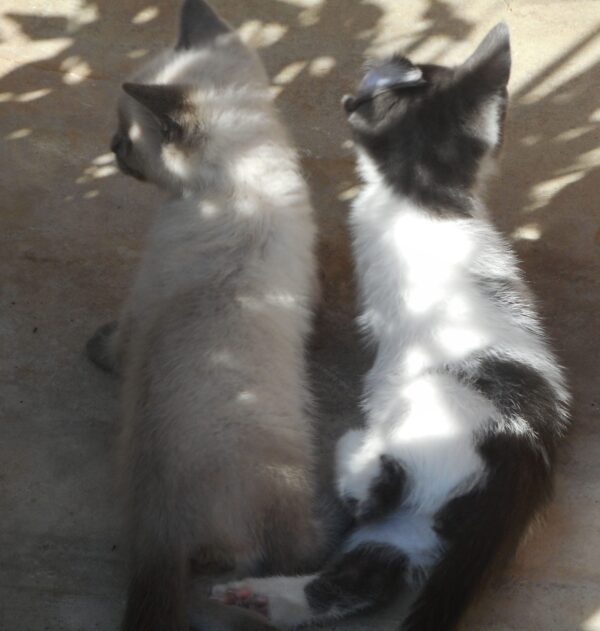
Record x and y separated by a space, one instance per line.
199 25
487 70
482 80
168 103
490 63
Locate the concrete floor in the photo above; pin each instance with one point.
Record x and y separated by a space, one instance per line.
71 229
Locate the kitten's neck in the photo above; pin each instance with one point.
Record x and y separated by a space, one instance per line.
244 179
430 198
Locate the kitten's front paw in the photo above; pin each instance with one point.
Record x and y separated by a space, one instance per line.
100 347
281 599
241 594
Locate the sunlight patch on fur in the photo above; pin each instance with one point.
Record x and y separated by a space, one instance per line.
460 341
135 132
416 360
429 414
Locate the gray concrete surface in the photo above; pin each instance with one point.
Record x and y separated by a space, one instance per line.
71 230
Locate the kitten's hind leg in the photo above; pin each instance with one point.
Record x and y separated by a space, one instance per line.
385 492
101 348
367 576
371 483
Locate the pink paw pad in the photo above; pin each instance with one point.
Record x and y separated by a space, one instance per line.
242 596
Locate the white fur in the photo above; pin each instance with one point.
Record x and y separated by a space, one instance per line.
405 530
486 125
424 311
288 606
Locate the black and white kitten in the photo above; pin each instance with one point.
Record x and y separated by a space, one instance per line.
465 403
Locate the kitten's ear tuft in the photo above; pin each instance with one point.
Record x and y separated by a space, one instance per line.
199 25
489 65
168 103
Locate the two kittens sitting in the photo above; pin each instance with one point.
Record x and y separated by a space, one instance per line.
464 404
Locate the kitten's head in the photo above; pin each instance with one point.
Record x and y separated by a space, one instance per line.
180 113
427 129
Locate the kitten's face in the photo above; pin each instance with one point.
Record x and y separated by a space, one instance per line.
145 140
126 147
169 118
427 128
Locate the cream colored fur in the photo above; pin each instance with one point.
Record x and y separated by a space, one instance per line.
216 443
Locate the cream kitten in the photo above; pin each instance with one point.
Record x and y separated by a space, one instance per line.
216 443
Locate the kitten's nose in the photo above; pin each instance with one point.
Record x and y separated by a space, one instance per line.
115 143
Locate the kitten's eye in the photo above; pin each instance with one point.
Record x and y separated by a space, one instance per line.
171 132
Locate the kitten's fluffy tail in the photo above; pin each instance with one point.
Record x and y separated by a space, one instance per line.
157 599
483 529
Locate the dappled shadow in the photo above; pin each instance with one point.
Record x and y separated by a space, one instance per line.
72 232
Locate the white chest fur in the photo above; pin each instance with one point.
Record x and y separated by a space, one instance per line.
423 311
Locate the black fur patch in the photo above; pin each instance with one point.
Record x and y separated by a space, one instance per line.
386 492
483 527
426 140
519 390
420 148
368 576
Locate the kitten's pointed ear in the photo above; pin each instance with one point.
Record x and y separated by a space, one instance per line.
199 25
481 84
488 68
168 103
